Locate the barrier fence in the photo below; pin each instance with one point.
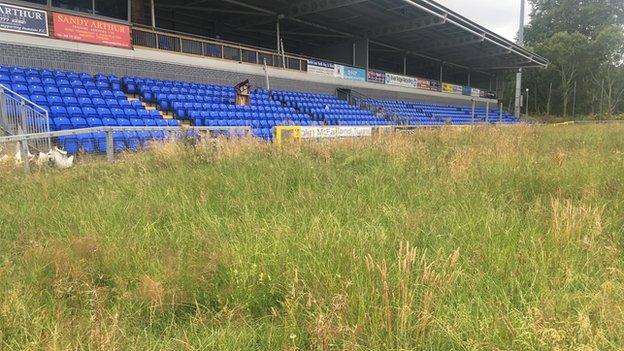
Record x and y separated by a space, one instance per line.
111 136
19 115
228 51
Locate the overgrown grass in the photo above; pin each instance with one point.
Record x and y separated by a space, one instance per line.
474 239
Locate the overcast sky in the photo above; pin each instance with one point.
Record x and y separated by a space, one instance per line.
499 16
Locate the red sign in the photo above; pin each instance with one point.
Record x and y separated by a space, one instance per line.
91 31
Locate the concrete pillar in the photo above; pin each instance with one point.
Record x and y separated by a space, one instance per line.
139 11
361 53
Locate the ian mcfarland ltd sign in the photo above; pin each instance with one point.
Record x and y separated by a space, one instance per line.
23 20
91 31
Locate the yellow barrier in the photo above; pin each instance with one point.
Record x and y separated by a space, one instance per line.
282 134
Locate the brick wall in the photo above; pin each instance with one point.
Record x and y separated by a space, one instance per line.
31 56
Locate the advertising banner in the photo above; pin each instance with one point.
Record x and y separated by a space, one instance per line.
458 90
403 81
335 132
321 68
435 86
352 73
475 92
447 88
376 77
467 91
423 84
339 71
23 20
91 31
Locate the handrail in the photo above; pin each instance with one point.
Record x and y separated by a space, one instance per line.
71 132
191 36
4 87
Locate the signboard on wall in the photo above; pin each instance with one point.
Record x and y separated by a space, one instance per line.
458 90
423 84
475 92
339 71
376 77
23 20
403 81
321 68
335 132
352 73
87 30
435 86
447 88
466 90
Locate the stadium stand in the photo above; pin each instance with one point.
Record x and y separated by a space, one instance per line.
417 113
76 100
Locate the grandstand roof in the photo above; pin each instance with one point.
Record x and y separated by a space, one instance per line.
420 28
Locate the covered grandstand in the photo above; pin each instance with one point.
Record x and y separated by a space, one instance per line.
312 63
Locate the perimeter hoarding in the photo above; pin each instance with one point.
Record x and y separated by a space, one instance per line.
402 81
376 77
321 68
23 20
87 30
357 74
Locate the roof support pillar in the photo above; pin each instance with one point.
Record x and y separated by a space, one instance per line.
153 13
441 73
279 38
469 78
361 52
404 64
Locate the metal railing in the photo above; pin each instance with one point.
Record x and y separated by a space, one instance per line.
175 132
193 45
19 116
361 101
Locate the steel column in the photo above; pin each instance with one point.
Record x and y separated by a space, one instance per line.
153 13
110 147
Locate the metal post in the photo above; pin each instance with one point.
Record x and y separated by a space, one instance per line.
279 39
487 111
404 64
153 9
283 55
24 118
574 102
110 147
266 75
24 152
474 106
500 113
527 103
519 75
3 117
469 78
441 71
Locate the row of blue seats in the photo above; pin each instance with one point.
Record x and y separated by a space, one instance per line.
71 101
63 123
129 112
66 91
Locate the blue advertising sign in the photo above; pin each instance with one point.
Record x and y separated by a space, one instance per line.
352 73
467 91
23 20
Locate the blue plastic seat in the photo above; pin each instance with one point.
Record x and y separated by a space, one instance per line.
61 123
78 122
135 122
74 112
109 122
94 122
87 143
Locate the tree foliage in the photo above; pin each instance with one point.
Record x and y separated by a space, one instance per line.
584 41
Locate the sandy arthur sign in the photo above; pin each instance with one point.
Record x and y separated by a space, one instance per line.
91 31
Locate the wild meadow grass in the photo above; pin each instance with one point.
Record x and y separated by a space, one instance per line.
454 239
